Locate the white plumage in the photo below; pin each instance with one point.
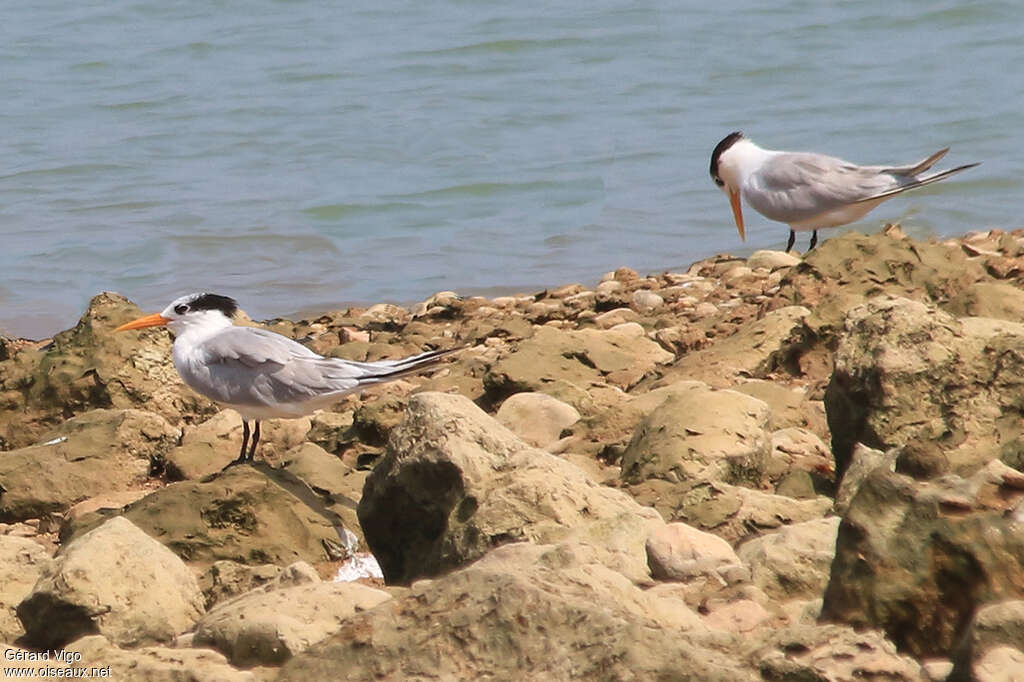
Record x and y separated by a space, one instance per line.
260 374
811 191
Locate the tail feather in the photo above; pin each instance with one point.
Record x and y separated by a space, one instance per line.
920 182
919 167
386 370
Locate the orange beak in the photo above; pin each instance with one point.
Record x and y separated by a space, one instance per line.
737 212
154 320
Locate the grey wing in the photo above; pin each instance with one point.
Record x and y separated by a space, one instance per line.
792 187
249 366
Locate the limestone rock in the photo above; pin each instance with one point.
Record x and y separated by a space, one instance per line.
701 434
831 652
226 579
90 367
22 561
677 551
210 446
269 626
116 581
156 663
454 483
580 357
793 562
772 260
98 452
523 611
538 419
992 648
249 514
731 512
908 372
909 558
756 349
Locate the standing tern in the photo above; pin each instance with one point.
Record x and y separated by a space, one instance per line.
810 191
258 373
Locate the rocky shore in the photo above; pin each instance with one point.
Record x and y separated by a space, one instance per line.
773 468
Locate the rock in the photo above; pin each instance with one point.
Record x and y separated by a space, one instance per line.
794 562
268 626
997 300
249 514
22 561
98 452
156 663
677 551
790 407
226 579
757 348
772 260
742 615
454 483
538 419
646 301
523 611
907 372
579 357
611 318
991 648
210 446
831 652
701 434
879 578
863 460
116 581
90 367
730 512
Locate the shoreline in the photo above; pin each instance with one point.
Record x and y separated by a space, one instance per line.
719 452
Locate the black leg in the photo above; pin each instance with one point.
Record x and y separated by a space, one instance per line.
255 440
814 240
792 238
245 442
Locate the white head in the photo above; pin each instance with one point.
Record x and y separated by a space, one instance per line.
194 311
727 164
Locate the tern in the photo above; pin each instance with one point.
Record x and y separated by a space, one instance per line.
258 373
810 191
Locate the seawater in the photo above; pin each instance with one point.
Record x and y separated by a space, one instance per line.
303 155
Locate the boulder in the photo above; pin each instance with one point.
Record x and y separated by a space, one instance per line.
91 367
677 551
731 512
248 514
793 562
98 452
701 434
832 652
267 626
906 372
454 483
524 611
619 356
208 447
225 579
22 561
756 349
772 260
537 418
992 648
155 663
918 558
116 581
998 300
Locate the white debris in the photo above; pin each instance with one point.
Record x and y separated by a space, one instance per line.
359 566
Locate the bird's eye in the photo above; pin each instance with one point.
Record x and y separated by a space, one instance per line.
718 180
181 309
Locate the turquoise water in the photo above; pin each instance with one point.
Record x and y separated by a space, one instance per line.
300 155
